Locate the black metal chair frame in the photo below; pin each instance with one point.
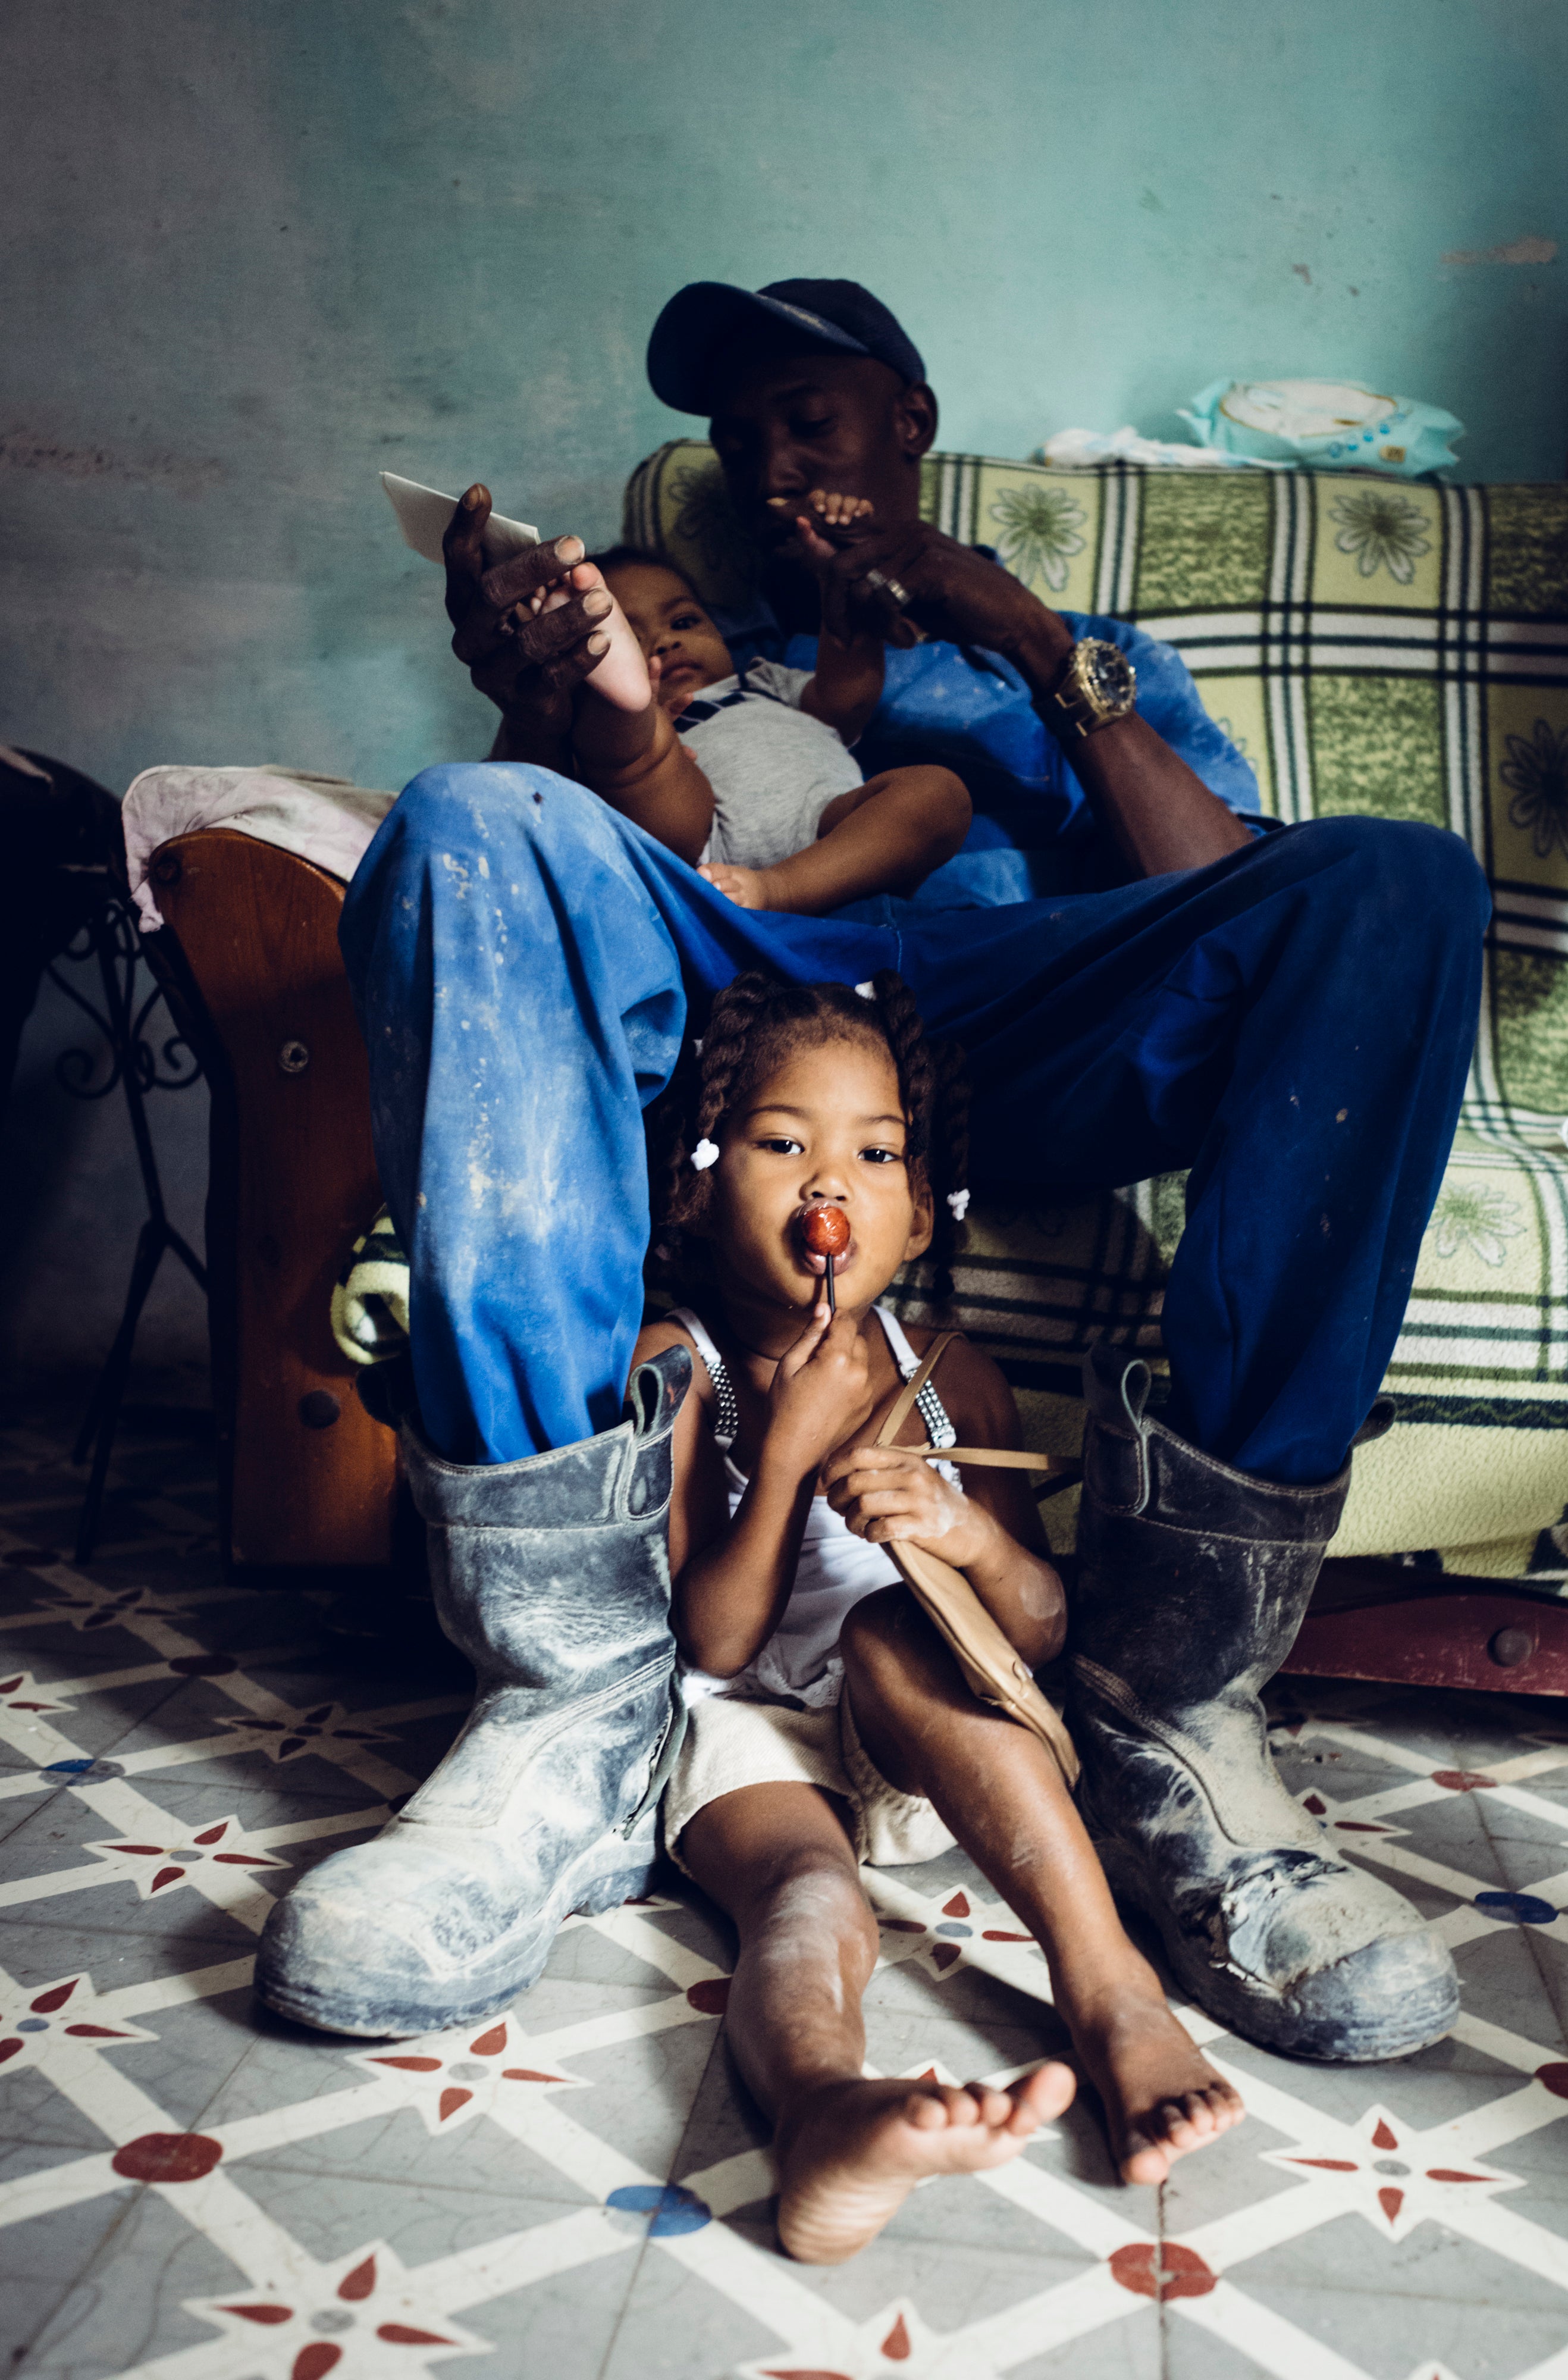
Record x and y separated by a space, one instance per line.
111 938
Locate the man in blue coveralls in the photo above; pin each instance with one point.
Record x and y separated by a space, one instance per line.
1287 1013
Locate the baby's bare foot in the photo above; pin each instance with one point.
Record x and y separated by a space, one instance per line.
1161 2097
851 2153
835 510
747 887
621 677
823 522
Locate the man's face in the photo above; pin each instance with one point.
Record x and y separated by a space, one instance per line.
787 424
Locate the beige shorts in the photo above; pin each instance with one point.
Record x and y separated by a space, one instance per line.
730 1743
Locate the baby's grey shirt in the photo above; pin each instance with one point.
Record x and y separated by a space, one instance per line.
773 768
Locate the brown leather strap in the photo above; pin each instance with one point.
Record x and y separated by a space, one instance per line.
991 1668
999 1457
912 1388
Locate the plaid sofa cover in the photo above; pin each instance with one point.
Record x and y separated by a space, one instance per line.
1371 646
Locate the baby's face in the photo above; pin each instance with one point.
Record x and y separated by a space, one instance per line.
670 625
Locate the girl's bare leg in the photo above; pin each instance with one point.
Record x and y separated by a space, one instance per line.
1002 1796
849 2151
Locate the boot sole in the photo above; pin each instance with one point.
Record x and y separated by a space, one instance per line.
597 1879
1273 2024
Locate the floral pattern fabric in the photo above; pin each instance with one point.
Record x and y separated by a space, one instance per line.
1383 530
1396 650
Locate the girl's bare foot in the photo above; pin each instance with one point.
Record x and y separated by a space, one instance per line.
1161 2097
849 2153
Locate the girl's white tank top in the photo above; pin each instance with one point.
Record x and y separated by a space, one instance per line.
800 1662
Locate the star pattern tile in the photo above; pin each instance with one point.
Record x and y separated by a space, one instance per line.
382 2210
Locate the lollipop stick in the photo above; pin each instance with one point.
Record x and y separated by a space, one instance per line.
832 1293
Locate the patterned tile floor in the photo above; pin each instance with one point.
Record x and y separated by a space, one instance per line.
192 2191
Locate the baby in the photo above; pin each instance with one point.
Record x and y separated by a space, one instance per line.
751 778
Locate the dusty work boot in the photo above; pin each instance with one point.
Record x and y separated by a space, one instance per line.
552 1575
1193 1582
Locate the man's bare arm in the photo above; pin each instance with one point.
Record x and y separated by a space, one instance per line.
1161 812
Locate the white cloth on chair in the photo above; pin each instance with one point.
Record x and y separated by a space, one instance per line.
328 821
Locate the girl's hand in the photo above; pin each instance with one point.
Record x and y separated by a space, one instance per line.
821 1392
891 1491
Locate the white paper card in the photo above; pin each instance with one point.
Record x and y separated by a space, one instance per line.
423 515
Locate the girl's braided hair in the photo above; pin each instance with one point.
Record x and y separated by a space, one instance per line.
752 1026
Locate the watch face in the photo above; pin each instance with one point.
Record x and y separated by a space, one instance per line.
1107 675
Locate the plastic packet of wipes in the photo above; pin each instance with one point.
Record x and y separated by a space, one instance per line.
424 514
1327 424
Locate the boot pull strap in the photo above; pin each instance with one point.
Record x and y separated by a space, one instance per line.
1116 1388
656 1391
1378 1422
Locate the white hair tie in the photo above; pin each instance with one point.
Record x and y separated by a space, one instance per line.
867 990
696 1049
958 1201
704 1154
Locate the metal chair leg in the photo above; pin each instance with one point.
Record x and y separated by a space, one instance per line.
114 940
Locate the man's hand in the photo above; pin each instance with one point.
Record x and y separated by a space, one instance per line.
947 589
529 664
827 525
1160 811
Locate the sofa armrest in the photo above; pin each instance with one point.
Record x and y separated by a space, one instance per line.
308 1479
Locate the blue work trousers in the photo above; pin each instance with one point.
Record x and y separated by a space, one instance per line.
1293 1023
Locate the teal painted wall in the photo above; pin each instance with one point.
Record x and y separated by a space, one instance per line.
258 250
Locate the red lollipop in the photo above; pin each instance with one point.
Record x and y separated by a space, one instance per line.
825 1232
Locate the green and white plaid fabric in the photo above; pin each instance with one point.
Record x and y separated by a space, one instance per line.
1371 646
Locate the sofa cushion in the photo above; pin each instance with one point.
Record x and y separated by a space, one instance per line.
1371 646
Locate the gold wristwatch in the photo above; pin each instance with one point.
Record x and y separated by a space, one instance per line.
1097 687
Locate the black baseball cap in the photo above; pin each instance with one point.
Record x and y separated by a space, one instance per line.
706 317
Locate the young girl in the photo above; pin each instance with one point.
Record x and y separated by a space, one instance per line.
828 1724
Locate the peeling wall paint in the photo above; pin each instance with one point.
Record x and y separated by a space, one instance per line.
1531 250
258 250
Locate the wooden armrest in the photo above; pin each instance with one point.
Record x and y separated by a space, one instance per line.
309 1479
